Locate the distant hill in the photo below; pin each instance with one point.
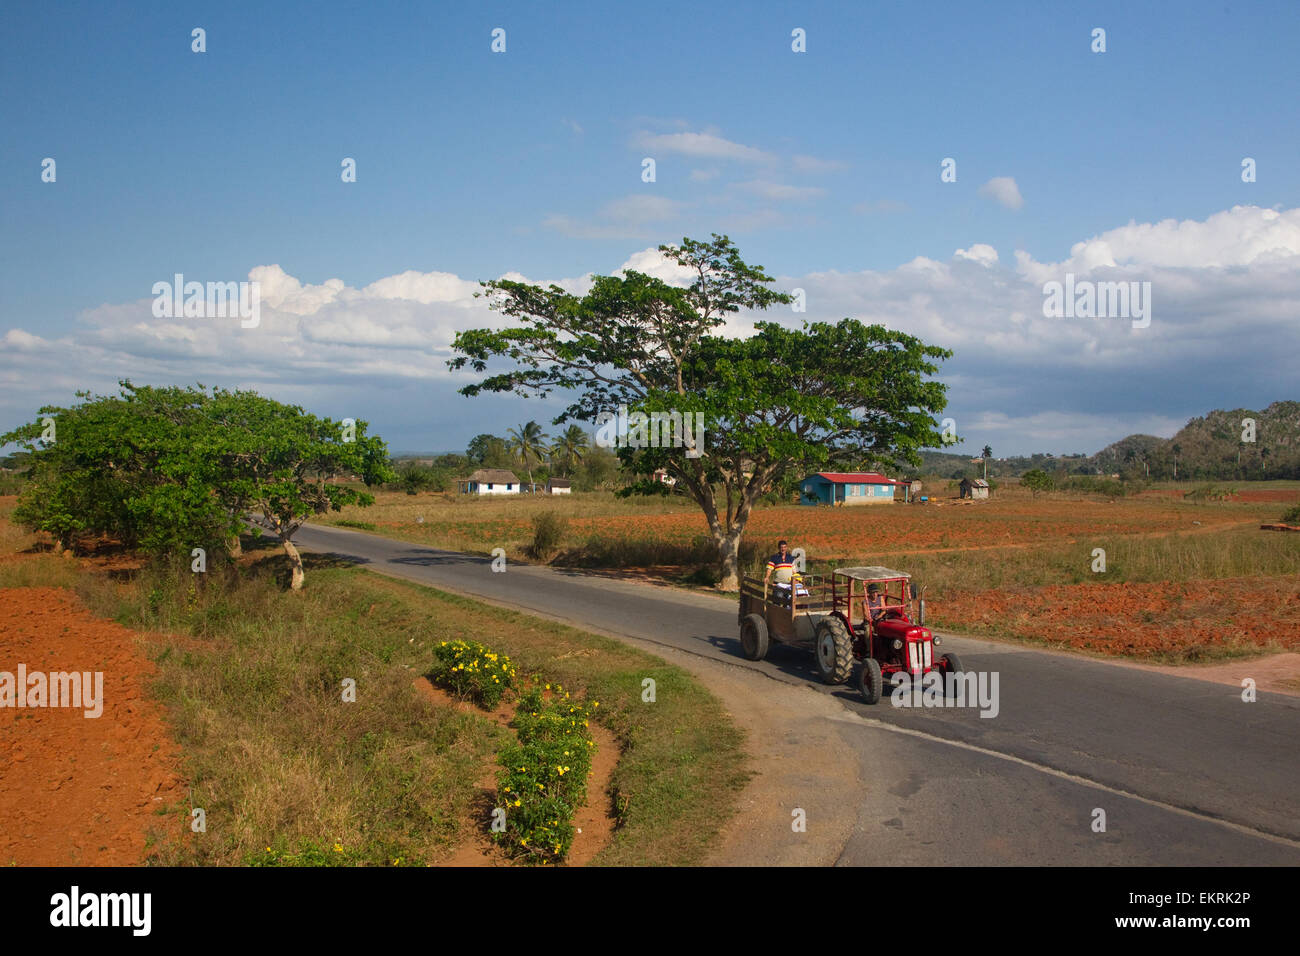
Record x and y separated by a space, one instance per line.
1206 449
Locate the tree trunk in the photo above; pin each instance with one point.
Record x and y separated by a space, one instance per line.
729 562
295 563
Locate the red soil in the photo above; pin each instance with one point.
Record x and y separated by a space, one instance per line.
80 791
1143 620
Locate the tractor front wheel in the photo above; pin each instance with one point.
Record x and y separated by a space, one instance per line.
834 651
871 681
753 637
951 665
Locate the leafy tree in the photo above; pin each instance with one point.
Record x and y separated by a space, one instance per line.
1037 480
128 466
778 402
488 451
278 460
165 470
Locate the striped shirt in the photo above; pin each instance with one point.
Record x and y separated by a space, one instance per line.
781 568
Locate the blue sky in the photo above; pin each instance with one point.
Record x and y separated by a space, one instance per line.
472 164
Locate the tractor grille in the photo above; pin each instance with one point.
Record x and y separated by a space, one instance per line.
919 655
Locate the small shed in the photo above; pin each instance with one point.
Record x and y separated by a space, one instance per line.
558 486
849 488
974 488
490 481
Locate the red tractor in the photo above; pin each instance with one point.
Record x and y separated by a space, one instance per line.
860 614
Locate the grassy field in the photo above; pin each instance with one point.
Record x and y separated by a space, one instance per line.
1177 569
251 677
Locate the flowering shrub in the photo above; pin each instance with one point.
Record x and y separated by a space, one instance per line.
544 777
472 670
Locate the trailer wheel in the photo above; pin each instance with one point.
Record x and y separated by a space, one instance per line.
871 681
753 637
834 651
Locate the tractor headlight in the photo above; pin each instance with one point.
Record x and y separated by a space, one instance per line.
937 640
897 644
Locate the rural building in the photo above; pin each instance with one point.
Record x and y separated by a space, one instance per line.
974 488
490 481
661 475
849 488
558 486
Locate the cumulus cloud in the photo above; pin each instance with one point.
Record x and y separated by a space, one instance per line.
1225 294
979 252
1003 189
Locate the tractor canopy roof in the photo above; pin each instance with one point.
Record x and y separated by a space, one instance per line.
872 574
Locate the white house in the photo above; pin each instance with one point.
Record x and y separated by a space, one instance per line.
490 481
558 486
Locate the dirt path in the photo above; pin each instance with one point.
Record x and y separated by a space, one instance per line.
79 790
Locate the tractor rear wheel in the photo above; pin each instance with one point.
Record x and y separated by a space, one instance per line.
834 651
871 681
753 637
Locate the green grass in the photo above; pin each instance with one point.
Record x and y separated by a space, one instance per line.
252 678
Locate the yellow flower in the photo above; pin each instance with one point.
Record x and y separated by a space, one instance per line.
338 848
517 802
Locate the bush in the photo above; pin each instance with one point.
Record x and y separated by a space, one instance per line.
472 670
544 778
549 530
1037 480
1093 484
1210 493
1292 516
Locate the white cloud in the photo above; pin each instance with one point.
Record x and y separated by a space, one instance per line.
979 252
706 145
1003 189
703 175
1225 292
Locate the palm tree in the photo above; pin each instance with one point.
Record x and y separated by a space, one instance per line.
986 454
1178 449
528 444
570 447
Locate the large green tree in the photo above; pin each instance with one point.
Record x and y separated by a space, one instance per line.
166 470
779 402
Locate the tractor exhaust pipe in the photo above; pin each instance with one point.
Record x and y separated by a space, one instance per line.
920 612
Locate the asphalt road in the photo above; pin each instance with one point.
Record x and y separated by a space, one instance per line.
1184 770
